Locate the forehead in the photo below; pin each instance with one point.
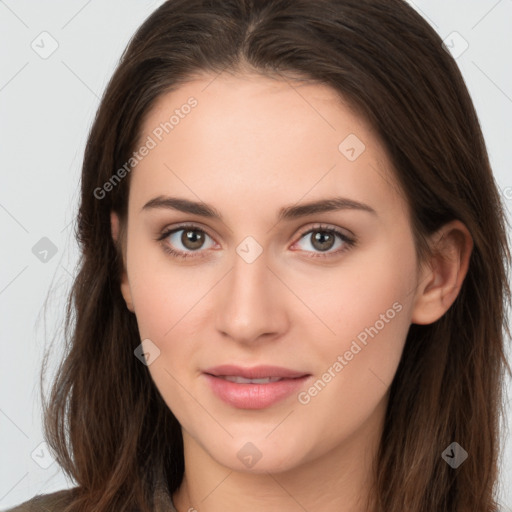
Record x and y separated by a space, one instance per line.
258 103
228 133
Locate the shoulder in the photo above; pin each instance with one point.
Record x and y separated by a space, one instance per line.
54 502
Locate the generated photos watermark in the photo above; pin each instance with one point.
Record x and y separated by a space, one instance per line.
150 143
305 397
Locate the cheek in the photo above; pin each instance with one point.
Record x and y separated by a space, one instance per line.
369 309
167 313
357 363
370 291
163 293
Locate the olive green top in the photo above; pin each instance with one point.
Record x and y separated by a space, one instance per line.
57 501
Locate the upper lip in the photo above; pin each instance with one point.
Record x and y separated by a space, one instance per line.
255 372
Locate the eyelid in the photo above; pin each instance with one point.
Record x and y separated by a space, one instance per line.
328 227
164 233
194 225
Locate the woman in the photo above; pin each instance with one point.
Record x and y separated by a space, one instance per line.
293 276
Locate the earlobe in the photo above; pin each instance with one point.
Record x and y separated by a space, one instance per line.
126 292
441 278
125 285
114 226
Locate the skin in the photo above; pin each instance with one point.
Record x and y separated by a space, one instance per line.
252 146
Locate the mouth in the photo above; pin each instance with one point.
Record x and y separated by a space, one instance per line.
242 380
254 388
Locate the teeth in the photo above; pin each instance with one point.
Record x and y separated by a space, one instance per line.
243 380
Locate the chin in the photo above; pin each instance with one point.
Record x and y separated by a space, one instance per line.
256 457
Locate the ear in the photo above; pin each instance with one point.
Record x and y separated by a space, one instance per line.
442 276
125 285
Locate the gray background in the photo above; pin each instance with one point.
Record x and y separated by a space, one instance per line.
47 103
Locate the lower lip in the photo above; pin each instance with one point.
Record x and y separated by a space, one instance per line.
254 396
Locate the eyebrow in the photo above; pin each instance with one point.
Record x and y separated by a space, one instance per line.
285 213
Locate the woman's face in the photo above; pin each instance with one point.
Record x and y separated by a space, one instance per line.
299 256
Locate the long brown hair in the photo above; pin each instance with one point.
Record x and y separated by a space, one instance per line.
105 419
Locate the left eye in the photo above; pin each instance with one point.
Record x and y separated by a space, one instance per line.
324 239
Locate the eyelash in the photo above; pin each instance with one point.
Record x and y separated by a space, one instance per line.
349 242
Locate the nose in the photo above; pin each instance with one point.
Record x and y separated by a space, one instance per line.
251 302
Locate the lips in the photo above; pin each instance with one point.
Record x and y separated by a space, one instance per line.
253 388
256 372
